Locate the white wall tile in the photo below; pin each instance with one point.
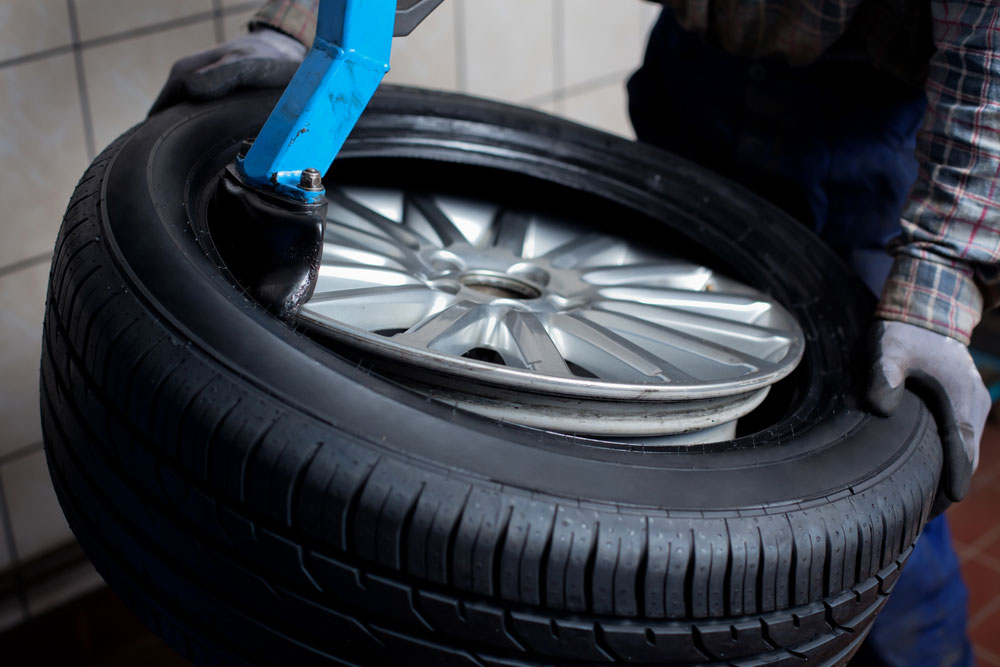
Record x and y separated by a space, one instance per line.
508 48
32 26
42 144
98 18
553 107
648 13
124 77
426 57
605 108
22 305
35 516
600 37
67 585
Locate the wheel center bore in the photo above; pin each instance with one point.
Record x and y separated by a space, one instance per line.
499 285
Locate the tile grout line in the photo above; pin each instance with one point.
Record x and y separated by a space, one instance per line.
37 55
8 529
559 55
987 560
984 613
994 472
81 82
26 263
21 452
163 26
577 88
461 62
220 35
983 541
986 654
141 31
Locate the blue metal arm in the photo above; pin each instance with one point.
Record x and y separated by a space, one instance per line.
325 98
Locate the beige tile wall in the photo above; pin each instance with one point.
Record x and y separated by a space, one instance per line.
32 27
98 18
76 73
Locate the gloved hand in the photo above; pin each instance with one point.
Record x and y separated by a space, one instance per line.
941 370
260 59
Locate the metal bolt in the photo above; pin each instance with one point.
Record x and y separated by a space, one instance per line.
311 180
245 148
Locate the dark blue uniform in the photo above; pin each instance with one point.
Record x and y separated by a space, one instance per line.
831 143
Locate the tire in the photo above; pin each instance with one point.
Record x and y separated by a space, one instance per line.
260 499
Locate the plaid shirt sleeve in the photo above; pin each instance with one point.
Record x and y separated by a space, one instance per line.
946 260
295 18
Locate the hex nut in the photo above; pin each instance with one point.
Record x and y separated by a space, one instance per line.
311 180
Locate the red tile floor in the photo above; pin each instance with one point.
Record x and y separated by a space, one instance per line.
975 529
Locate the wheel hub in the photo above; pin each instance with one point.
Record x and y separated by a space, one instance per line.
529 320
499 285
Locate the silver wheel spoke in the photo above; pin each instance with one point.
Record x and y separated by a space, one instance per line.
527 345
677 274
735 307
340 237
443 226
390 228
343 254
580 250
380 308
607 354
762 342
510 230
386 202
456 329
700 357
333 277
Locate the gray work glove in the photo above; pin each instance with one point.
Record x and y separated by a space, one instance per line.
940 369
261 59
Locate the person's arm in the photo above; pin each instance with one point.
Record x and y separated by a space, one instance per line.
946 262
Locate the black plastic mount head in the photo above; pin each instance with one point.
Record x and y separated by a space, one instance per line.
270 244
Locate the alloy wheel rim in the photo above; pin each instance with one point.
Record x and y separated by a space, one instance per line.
531 320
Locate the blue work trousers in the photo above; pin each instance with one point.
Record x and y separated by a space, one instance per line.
832 144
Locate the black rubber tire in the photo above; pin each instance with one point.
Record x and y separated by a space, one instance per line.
259 499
